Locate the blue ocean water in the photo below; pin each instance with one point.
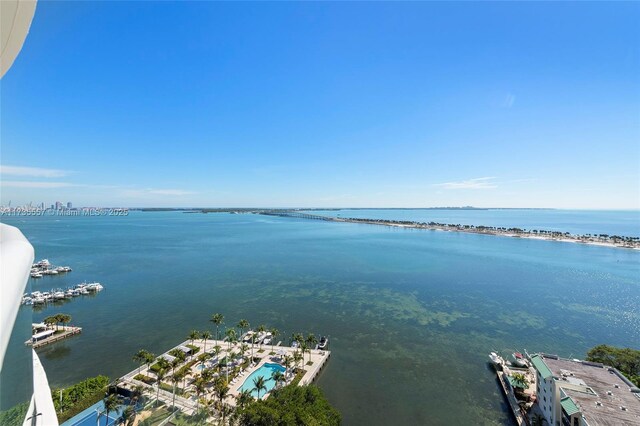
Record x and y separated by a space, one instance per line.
411 314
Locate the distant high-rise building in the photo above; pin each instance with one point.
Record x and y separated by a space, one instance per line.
52 206
69 205
58 205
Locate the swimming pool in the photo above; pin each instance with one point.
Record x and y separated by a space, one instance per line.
265 371
89 417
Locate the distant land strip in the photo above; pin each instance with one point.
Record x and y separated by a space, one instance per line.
539 234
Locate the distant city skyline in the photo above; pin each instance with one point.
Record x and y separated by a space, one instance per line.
164 104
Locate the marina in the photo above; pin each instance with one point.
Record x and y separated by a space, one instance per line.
58 295
44 267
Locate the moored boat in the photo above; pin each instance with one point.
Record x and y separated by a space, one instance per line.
324 341
520 360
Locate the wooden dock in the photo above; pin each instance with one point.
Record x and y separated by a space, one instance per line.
67 332
511 399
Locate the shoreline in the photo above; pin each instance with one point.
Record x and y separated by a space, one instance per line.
602 240
565 237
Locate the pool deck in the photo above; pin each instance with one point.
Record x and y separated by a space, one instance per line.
188 404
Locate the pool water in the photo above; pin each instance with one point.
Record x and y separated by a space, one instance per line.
89 417
265 371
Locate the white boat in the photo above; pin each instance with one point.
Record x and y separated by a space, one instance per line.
495 359
294 344
520 360
26 300
44 263
94 287
324 341
58 295
267 339
39 300
247 336
36 275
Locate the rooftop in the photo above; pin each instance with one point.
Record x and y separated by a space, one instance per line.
598 391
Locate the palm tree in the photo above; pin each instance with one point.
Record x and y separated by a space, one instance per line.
221 390
202 358
311 343
242 324
243 349
297 357
216 350
206 335
65 319
288 360
111 403
161 374
261 329
176 362
136 393
194 335
175 379
304 348
51 320
149 358
297 337
259 384
274 333
231 336
141 358
244 398
200 386
277 377
217 319
128 416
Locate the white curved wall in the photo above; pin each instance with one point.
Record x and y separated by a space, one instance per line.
15 20
16 258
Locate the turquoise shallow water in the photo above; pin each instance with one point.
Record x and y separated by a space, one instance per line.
411 314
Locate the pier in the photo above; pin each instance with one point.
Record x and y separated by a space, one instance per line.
67 331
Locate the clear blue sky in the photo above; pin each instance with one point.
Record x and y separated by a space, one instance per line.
325 104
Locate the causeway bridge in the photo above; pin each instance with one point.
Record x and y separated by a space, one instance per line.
296 214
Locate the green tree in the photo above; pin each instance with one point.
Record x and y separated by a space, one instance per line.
288 406
261 329
242 325
194 335
244 398
259 384
274 333
231 336
176 378
217 319
206 335
141 358
626 360
161 374
278 377
111 403
311 343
